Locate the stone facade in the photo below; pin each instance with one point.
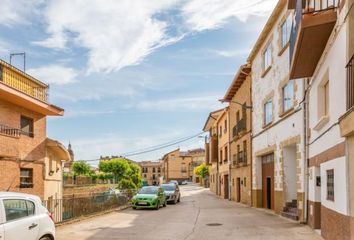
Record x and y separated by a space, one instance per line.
151 172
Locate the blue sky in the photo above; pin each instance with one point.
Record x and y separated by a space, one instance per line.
131 73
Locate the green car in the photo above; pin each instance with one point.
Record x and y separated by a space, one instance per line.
149 197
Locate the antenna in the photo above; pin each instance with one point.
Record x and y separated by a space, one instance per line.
19 54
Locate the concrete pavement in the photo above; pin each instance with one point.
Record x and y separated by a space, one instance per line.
200 216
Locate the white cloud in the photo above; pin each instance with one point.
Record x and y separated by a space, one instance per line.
54 74
211 14
116 33
184 103
16 12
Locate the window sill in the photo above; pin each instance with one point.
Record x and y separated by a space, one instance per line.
266 71
321 123
287 112
266 126
283 49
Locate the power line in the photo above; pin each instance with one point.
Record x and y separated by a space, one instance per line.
152 148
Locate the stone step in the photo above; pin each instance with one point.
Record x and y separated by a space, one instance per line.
291 215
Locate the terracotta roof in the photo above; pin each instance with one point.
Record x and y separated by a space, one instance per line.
239 78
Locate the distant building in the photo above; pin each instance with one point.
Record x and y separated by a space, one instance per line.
151 172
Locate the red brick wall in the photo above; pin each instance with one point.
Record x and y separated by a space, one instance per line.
334 226
24 151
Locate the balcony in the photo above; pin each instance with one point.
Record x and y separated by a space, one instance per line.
10 131
22 82
240 159
9 142
239 127
314 22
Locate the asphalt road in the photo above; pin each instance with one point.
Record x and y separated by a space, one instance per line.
200 216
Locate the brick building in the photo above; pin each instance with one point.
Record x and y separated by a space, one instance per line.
151 172
29 161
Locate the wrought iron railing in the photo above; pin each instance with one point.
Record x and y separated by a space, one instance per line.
240 158
239 127
74 207
10 131
15 78
350 83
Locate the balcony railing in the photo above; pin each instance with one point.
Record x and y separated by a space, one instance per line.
350 83
240 159
307 7
239 127
9 131
22 82
312 6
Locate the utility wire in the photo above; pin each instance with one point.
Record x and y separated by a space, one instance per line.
152 148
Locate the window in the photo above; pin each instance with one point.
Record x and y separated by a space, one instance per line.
225 129
26 178
27 126
159 169
288 96
145 176
153 170
237 116
220 132
330 185
326 98
245 151
267 57
225 158
220 160
285 31
268 112
244 113
16 209
244 182
153 177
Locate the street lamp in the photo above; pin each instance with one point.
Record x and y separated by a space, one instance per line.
242 105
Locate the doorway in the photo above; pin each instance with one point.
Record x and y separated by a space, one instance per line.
226 186
238 190
268 181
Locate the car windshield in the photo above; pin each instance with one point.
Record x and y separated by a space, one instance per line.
148 190
168 187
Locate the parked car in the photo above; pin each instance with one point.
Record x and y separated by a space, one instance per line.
184 182
172 192
174 182
22 216
149 197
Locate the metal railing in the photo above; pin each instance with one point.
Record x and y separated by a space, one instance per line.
239 127
10 131
73 207
15 78
313 6
240 158
350 83
308 7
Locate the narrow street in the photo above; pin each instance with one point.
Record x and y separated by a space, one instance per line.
200 215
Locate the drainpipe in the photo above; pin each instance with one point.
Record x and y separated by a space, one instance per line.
251 143
306 147
229 153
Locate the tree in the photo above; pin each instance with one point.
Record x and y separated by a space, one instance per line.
81 168
118 167
126 184
202 170
122 169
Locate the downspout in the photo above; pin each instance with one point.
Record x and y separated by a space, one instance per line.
251 141
306 147
229 149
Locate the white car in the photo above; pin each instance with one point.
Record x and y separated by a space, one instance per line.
23 217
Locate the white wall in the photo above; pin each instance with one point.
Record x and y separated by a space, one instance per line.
314 191
261 88
340 185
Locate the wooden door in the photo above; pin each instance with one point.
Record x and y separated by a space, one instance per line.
226 186
268 181
238 190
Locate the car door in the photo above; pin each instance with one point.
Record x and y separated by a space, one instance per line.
2 220
20 220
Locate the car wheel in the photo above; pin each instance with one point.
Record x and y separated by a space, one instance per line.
45 238
157 206
134 208
175 201
179 199
165 203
